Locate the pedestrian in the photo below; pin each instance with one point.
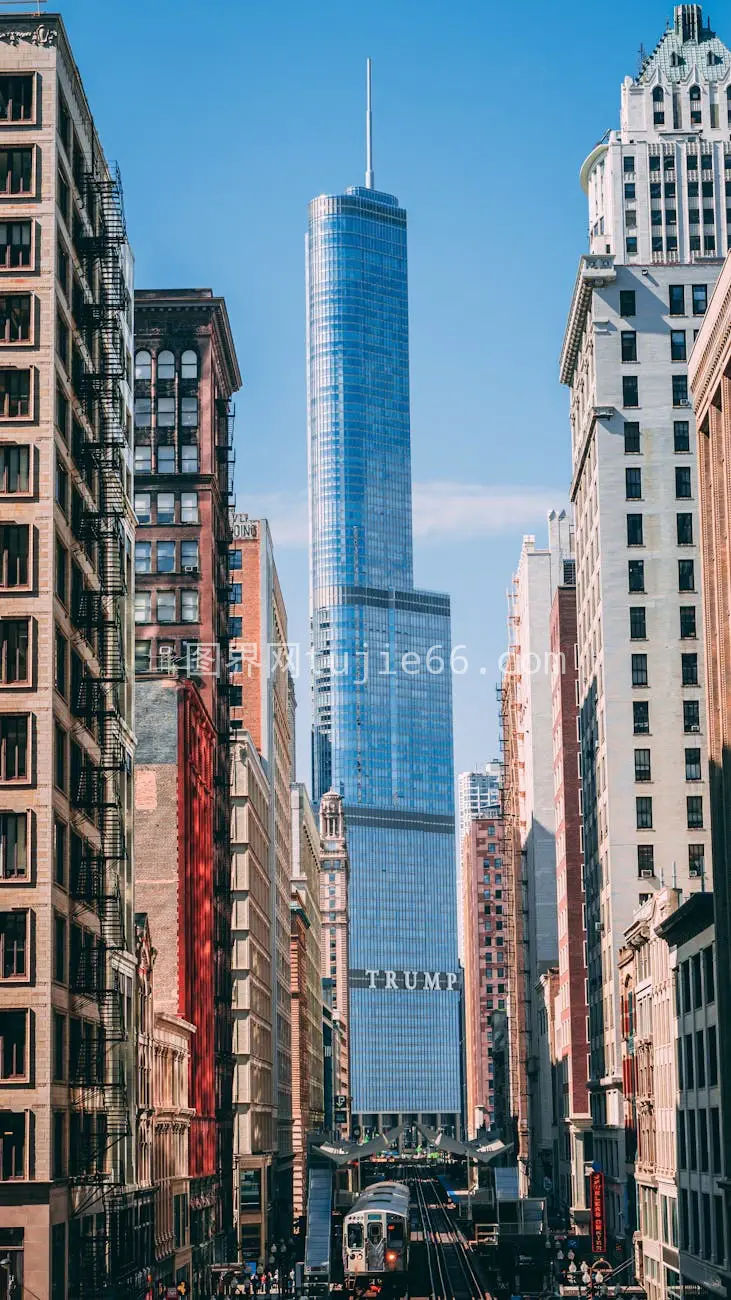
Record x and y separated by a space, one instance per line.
255 1284
267 1282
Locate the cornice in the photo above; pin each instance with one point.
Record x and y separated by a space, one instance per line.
712 346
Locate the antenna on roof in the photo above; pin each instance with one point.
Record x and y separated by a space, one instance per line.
23 4
369 180
641 56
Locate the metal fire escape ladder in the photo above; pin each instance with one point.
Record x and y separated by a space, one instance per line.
99 1085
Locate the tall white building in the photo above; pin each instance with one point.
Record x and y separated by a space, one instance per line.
658 228
479 794
530 851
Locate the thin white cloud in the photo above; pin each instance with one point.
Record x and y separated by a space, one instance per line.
443 511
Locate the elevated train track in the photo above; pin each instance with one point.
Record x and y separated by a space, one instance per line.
450 1269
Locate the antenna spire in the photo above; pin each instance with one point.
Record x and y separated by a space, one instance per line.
369 180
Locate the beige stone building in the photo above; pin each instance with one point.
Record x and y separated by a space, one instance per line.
334 913
306 988
69 1218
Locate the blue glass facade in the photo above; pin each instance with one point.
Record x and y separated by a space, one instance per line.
382 703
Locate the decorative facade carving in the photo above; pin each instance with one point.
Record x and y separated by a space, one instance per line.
40 35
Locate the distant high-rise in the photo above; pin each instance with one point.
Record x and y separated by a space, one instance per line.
479 794
382 716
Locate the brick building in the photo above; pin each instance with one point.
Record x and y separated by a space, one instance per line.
262 705
71 1217
186 372
486 916
174 809
572 1045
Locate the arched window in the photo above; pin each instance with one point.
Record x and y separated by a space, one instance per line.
696 117
143 365
189 364
658 104
165 365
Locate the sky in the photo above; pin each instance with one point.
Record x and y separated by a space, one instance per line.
227 118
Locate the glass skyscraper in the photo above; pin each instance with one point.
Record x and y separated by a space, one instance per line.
382 702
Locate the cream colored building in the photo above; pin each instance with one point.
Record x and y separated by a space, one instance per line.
306 988
334 911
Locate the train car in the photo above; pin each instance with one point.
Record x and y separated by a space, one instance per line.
376 1237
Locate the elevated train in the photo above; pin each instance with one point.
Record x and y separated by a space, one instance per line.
376 1237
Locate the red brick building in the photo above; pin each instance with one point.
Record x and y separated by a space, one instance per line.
186 372
486 914
571 1043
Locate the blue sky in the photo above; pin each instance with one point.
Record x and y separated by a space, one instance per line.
227 118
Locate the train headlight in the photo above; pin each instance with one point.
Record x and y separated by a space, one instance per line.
391 1256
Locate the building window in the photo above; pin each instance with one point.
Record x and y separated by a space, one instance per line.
630 390
14 470
14 394
165 459
687 621
166 557
189 365
166 606
13 1046
16 171
13 846
629 346
143 607
637 623
700 291
627 305
59 948
682 482
645 860
693 765
165 365
629 162
641 717
633 484
686 575
143 458
235 593
59 1166
631 245
234 560
61 664
189 556
695 812
15 244
684 524
678 350
14 738
639 670
681 435
143 365
14 945
12 1145
189 508
143 413
59 852
643 767
165 508
189 602
189 412
235 627
631 437
634 530
189 458
680 390
696 860
59 1047
643 812
142 507
143 654
14 651
636 575
143 557
691 716
677 299
15 318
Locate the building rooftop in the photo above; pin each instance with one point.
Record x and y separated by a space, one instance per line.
688 50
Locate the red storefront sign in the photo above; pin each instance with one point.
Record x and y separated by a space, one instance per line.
598 1220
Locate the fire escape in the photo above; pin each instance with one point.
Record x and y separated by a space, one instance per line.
99 1085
